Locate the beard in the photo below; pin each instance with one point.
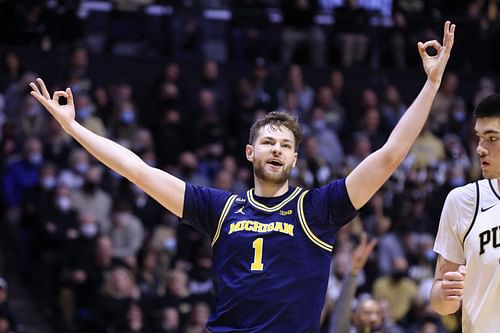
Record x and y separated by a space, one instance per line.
275 178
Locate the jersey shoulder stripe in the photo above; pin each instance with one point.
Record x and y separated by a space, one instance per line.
476 209
225 210
305 226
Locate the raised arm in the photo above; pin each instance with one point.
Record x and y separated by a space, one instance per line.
163 187
447 287
372 172
341 316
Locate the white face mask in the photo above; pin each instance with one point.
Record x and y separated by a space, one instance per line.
48 182
89 230
64 203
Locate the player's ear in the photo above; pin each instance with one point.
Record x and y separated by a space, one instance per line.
249 152
295 157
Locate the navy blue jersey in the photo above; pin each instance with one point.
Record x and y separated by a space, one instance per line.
271 255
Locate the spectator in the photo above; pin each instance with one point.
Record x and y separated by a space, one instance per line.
299 28
127 234
351 27
91 198
399 290
23 173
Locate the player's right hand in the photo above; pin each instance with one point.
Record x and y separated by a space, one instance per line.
452 284
65 113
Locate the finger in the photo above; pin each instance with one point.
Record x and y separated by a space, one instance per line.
364 238
452 284
453 276
34 87
453 291
59 94
452 297
43 88
446 31
450 38
41 99
421 49
70 96
462 270
432 43
372 244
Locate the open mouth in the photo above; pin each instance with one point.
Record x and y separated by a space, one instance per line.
275 163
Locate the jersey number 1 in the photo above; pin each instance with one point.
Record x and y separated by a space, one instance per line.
257 256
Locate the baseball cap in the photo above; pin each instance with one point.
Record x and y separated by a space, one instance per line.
3 283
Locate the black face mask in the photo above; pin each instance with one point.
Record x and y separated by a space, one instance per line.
89 187
398 275
201 273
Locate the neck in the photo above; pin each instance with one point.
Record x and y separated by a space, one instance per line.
266 189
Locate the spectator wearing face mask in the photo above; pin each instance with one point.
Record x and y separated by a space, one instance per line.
91 198
86 114
124 122
397 288
58 227
23 173
127 233
73 175
36 202
32 119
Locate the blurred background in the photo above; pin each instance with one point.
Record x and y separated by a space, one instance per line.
179 83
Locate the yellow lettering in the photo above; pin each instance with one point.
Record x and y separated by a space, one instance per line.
240 225
247 226
255 226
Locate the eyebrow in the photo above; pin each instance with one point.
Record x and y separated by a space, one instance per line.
271 138
490 131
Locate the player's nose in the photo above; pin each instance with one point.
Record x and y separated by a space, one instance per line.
481 151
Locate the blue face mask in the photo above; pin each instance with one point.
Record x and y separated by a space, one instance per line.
35 158
84 112
430 255
127 117
459 116
48 182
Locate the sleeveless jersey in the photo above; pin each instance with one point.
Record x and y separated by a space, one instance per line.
469 233
270 264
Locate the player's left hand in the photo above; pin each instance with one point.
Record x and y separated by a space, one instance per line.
434 65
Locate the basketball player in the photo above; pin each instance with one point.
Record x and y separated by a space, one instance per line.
469 236
272 245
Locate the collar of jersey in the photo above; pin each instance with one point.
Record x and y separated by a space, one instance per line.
274 208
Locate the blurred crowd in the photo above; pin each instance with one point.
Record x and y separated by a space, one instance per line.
102 256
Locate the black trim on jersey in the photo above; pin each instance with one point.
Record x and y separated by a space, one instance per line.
493 189
476 210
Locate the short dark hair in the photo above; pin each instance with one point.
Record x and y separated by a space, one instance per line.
488 107
278 118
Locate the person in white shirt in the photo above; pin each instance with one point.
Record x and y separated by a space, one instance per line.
468 240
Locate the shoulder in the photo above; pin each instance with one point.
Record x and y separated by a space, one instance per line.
463 195
205 194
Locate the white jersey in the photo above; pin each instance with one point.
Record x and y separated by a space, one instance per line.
469 233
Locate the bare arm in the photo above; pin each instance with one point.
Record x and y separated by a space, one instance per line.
163 187
447 287
372 172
